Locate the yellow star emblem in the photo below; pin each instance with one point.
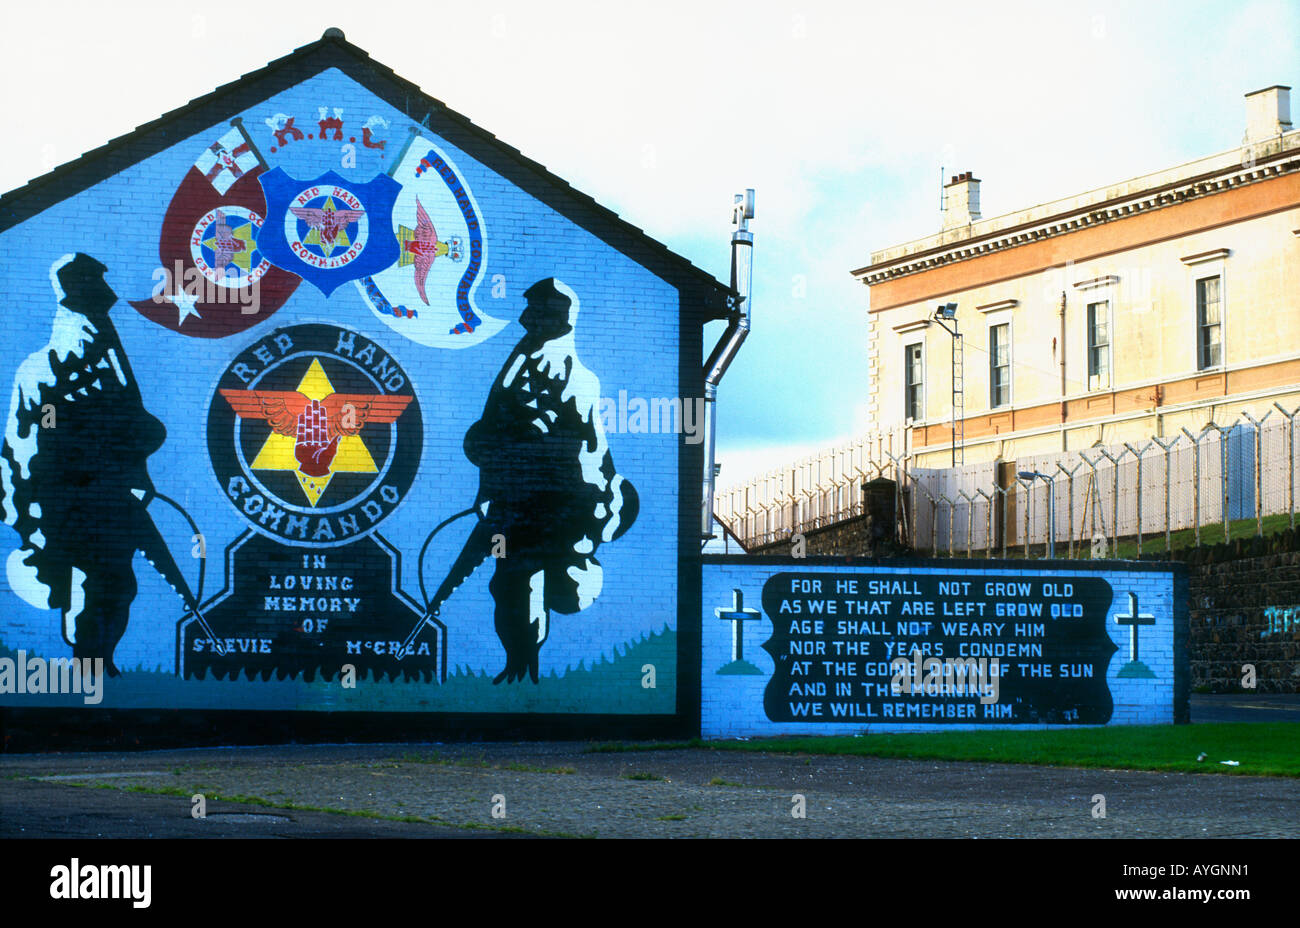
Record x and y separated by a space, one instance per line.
240 259
340 239
277 452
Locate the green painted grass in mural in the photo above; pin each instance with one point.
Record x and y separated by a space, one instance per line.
607 686
613 685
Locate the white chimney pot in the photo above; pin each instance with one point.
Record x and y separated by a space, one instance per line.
1268 113
961 201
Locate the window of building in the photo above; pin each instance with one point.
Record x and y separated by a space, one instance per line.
1098 345
1000 364
913 382
1209 323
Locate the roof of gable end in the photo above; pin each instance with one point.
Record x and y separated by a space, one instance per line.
332 50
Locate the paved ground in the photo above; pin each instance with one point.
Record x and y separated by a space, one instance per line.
453 790
54 810
560 789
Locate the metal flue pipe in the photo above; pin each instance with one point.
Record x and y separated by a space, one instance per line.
724 352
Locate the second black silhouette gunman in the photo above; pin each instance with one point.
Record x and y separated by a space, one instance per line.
548 493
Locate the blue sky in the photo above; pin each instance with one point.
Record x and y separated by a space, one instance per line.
840 115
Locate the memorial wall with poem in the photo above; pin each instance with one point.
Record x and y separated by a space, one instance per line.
815 646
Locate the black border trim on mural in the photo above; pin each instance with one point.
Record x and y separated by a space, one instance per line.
958 563
32 730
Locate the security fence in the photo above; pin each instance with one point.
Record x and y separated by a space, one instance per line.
1068 504
815 492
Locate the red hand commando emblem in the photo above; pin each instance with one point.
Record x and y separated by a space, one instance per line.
316 444
315 425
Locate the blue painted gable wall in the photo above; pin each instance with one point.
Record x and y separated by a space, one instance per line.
627 335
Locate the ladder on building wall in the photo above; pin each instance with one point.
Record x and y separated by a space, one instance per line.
958 402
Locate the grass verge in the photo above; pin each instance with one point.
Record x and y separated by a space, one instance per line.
1270 749
1260 748
1153 542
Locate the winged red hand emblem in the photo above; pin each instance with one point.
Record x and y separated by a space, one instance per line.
227 245
423 247
315 425
328 222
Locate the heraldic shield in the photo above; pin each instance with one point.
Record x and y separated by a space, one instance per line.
329 230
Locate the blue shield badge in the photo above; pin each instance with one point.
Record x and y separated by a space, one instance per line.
328 230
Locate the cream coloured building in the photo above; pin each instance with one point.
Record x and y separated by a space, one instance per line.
1165 301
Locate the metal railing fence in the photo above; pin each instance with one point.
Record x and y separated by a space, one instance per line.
1095 497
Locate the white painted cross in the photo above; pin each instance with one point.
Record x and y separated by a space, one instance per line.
1133 619
738 615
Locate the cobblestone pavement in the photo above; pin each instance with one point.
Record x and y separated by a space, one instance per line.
564 789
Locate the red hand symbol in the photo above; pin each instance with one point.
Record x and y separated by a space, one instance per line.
313 451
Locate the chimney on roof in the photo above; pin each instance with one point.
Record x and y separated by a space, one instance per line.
961 201
1268 113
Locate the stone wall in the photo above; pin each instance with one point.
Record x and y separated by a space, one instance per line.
840 538
1243 613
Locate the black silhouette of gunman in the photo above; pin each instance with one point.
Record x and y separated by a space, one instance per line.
75 487
547 486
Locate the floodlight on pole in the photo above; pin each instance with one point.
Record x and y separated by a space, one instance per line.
943 314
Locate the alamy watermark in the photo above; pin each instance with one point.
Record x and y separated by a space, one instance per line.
639 415
191 285
75 880
949 676
23 675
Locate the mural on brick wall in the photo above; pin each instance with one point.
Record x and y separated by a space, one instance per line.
315 434
307 365
76 479
433 198
823 649
542 419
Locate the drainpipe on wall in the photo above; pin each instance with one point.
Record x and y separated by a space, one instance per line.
1064 407
724 352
